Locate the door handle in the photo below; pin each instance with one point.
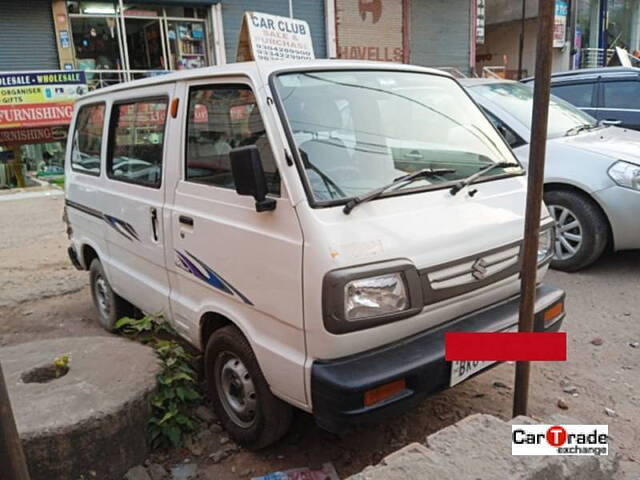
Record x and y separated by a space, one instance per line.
610 121
186 220
154 223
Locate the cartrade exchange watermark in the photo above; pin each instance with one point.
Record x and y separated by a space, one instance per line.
559 439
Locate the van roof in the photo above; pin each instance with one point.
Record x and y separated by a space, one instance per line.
264 68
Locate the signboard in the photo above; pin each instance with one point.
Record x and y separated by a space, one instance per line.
560 25
480 20
370 29
20 136
34 99
270 37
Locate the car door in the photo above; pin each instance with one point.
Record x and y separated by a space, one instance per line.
620 101
581 94
226 259
134 197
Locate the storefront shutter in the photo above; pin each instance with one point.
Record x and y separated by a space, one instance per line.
439 33
310 10
27 37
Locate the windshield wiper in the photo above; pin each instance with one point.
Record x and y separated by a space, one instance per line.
406 179
471 178
579 128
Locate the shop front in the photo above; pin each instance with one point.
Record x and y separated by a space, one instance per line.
603 25
35 112
435 33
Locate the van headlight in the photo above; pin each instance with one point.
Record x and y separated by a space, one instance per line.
545 244
625 174
365 296
375 296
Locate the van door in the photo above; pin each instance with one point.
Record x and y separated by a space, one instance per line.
225 257
134 197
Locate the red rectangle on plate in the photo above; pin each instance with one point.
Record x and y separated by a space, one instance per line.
506 346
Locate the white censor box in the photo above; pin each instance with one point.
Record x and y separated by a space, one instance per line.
265 37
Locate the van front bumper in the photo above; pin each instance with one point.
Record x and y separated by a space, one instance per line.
338 386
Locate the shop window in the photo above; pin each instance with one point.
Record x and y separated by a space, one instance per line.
222 118
87 139
578 94
622 94
95 40
136 142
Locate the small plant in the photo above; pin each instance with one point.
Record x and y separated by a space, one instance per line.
177 382
62 363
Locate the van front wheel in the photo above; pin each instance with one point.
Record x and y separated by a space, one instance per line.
109 305
248 410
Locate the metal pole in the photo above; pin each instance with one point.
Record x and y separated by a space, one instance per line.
521 45
12 462
535 178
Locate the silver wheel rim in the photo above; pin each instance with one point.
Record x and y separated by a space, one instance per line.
236 389
101 289
568 230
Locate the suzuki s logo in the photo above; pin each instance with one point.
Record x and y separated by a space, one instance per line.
479 269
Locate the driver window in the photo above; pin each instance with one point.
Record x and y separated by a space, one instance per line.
221 118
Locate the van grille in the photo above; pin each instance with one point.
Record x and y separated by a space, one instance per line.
470 273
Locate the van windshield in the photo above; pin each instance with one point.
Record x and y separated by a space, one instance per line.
359 130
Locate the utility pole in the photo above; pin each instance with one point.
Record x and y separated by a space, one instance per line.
12 462
541 93
521 45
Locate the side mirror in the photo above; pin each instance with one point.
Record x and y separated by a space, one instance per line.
249 177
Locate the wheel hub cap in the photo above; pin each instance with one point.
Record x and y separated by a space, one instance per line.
237 391
568 232
101 289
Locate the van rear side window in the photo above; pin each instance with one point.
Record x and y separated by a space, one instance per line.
221 118
87 139
136 142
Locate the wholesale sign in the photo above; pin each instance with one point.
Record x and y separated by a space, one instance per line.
36 99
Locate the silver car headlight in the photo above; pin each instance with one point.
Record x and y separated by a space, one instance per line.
375 296
365 296
545 244
625 174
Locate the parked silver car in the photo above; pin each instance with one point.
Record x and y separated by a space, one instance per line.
592 174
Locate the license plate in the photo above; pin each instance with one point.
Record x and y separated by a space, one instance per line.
463 369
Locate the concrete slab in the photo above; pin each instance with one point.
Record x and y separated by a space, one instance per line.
479 446
90 421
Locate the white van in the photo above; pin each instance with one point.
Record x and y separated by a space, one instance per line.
314 228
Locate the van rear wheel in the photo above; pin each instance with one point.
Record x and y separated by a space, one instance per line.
109 305
241 397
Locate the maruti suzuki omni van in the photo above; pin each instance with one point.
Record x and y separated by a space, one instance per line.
314 228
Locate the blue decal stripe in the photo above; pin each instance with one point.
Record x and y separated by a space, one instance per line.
211 277
123 228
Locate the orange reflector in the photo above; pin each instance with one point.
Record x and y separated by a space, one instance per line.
383 392
174 107
554 312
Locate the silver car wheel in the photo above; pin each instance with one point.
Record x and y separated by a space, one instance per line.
568 232
101 288
236 389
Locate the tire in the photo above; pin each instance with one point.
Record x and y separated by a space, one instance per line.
588 236
241 397
109 305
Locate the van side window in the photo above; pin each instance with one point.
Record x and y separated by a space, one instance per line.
221 118
621 94
87 139
136 140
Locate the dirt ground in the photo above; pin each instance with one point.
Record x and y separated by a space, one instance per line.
42 296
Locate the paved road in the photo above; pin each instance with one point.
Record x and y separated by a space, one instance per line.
43 297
